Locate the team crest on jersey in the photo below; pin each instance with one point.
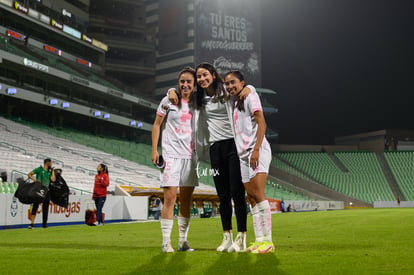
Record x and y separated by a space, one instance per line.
164 107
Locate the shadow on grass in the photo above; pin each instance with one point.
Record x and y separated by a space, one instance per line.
79 246
173 263
323 247
244 263
218 263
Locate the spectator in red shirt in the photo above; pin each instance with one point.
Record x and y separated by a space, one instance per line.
99 191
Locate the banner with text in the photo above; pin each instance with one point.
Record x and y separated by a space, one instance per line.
116 208
227 35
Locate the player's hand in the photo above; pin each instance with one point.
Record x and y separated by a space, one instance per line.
244 93
254 159
172 96
155 157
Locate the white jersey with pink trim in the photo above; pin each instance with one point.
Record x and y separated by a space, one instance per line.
177 136
245 125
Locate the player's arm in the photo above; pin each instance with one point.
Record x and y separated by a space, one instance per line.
30 176
261 130
155 135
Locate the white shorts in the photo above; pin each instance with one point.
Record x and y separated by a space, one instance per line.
179 172
265 157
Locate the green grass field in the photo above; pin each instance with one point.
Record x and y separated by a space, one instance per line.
365 241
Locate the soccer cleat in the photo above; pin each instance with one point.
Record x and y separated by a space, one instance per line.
265 247
184 246
30 226
253 246
226 243
167 248
239 244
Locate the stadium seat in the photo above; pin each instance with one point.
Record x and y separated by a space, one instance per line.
401 165
23 148
364 179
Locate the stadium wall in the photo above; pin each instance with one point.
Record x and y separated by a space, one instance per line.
312 148
14 214
314 205
393 204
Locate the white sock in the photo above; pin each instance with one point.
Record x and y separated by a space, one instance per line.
183 226
166 228
266 217
257 224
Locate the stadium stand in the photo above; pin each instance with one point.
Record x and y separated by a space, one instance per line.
401 165
276 190
363 179
12 48
53 60
23 148
127 150
281 163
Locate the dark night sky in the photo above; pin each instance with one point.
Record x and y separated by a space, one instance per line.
339 67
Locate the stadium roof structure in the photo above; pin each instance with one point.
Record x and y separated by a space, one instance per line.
42 21
380 140
44 69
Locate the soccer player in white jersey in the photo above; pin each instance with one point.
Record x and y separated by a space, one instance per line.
180 163
255 157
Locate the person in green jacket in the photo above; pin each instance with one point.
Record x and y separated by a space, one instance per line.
43 174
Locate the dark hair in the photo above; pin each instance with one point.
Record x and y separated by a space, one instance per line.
104 168
218 86
191 71
239 75
46 160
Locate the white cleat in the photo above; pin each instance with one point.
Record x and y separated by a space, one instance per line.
167 248
226 243
239 244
